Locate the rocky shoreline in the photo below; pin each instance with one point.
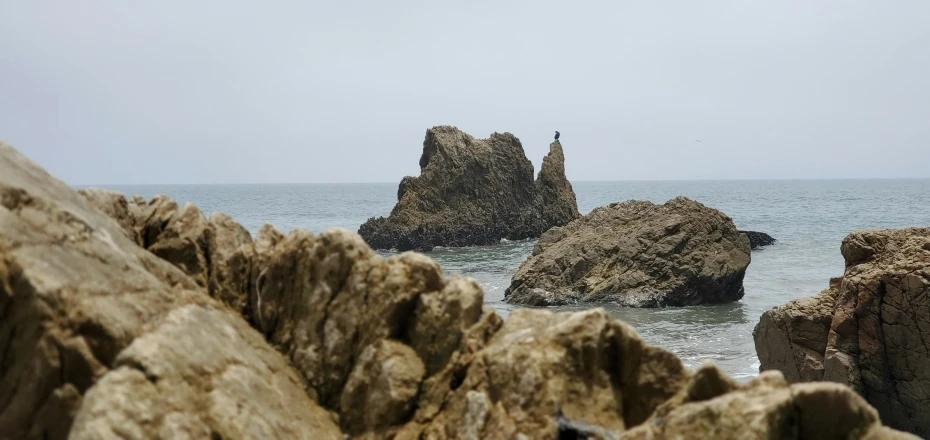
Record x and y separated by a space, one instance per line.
126 318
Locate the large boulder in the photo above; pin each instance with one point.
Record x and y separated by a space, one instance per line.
474 192
870 329
102 336
637 254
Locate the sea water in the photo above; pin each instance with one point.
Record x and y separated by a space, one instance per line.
809 218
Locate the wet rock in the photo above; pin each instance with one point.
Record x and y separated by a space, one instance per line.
759 239
474 192
637 254
78 297
869 330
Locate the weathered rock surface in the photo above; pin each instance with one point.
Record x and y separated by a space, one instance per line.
870 329
82 306
759 239
637 254
474 192
714 406
201 373
216 252
103 339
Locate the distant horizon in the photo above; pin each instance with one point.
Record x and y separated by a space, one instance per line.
173 91
786 179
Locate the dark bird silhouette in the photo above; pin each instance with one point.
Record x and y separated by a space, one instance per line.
556 135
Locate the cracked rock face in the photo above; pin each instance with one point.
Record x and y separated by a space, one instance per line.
474 192
96 329
101 338
870 329
637 254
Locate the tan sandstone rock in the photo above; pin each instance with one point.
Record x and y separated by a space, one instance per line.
103 339
870 330
474 192
711 406
217 252
637 254
76 291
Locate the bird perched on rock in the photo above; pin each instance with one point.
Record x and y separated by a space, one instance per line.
556 135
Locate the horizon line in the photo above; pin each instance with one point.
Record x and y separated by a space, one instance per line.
776 179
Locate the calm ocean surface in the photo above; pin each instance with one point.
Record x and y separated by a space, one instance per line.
809 218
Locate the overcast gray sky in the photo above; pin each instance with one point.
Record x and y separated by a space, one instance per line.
215 91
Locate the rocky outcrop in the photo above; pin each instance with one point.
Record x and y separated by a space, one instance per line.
474 192
637 254
216 252
759 239
713 406
870 329
100 338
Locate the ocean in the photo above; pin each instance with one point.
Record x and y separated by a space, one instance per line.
809 218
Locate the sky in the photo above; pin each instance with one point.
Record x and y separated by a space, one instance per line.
119 92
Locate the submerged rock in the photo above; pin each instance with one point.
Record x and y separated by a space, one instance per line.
870 329
637 254
759 239
101 338
474 192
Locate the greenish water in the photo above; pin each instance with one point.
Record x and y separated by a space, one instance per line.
809 218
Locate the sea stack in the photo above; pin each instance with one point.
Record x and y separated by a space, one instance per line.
474 192
637 254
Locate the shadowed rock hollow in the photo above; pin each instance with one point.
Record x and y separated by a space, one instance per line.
474 192
637 254
211 334
870 329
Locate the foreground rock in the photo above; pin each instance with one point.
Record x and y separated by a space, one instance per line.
474 192
103 339
637 254
94 328
758 239
870 329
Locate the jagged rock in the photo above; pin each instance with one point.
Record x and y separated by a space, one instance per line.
793 338
98 331
76 291
869 330
474 192
114 204
637 254
201 373
758 239
711 406
216 252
